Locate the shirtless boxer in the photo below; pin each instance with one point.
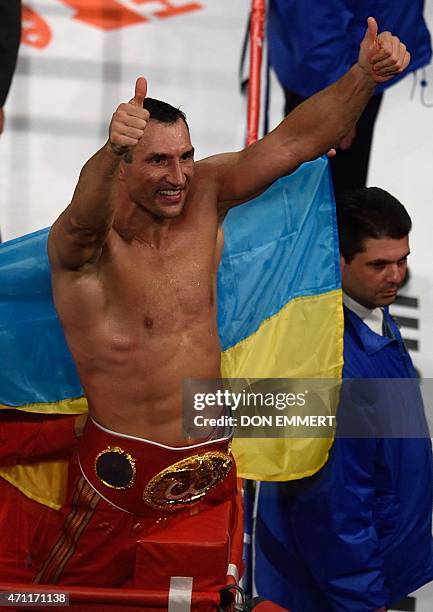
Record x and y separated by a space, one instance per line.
134 260
134 256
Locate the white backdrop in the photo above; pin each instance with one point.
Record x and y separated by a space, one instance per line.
63 95
75 68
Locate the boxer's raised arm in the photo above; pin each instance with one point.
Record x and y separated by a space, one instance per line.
314 127
77 236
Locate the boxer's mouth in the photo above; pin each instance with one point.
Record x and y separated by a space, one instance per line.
170 192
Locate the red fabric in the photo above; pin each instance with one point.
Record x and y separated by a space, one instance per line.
20 518
112 547
237 536
202 540
24 437
103 554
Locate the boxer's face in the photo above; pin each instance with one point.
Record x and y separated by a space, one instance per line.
374 276
161 170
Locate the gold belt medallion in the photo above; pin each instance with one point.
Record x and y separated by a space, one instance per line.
187 481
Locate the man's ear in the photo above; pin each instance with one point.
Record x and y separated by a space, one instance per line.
342 264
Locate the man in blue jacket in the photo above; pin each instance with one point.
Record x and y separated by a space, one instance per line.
356 537
311 44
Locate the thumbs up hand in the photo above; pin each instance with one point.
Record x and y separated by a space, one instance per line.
382 56
140 92
129 121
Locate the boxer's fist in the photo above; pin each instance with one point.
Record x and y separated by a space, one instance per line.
129 121
382 56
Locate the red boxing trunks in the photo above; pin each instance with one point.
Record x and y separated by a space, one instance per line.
151 479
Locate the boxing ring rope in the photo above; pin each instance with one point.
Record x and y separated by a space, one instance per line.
257 27
110 598
256 40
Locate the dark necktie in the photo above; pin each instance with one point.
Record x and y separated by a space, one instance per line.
386 328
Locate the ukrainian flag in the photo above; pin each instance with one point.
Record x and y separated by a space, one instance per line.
280 315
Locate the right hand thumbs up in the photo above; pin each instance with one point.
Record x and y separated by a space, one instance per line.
129 121
140 92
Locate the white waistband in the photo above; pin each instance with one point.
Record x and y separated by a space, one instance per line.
174 448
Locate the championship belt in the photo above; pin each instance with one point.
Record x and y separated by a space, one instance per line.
148 478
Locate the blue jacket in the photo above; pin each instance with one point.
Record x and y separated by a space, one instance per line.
313 43
357 536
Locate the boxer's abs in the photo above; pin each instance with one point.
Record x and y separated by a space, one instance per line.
133 381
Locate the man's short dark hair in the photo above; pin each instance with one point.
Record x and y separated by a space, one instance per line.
159 111
369 212
164 112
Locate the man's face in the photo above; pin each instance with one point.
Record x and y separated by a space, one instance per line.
374 276
159 176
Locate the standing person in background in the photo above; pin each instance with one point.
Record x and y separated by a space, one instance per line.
311 44
356 536
10 34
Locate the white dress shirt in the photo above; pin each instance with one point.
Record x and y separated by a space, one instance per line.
372 317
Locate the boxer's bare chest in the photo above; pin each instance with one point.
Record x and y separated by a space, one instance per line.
141 292
161 287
